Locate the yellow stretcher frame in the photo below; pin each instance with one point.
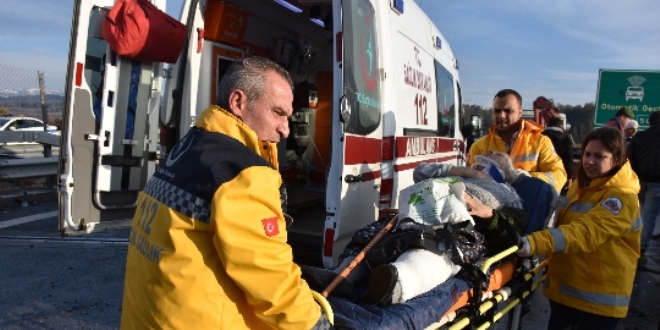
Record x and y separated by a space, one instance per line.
502 294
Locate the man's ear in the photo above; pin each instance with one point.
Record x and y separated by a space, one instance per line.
237 103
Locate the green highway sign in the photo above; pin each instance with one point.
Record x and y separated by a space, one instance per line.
639 90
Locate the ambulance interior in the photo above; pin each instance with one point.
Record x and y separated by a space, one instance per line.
299 38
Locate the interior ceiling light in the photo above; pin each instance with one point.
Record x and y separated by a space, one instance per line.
317 21
289 6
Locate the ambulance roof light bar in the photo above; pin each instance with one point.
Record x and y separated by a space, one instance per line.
289 6
397 6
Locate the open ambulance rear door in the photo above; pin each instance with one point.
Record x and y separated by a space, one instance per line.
354 178
110 126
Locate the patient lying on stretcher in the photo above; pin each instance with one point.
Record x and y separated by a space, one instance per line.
420 266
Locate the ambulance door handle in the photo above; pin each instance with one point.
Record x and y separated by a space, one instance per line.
353 178
344 109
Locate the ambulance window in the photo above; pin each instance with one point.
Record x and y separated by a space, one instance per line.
95 63
361 67
446 115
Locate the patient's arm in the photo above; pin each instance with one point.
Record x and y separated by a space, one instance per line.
492 223
466 172
427 171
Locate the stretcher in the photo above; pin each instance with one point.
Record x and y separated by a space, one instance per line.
510 282
458 303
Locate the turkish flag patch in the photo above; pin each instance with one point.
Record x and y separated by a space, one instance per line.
270 226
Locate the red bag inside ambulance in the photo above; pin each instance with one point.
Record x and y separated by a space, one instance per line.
140 31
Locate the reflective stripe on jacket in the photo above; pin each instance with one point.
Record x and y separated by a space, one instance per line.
531 151
208 243
595 246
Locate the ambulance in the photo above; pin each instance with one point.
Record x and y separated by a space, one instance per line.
377 93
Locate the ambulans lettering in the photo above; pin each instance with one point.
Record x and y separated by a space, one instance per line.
420 146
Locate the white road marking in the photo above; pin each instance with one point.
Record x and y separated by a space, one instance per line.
34 239
29 218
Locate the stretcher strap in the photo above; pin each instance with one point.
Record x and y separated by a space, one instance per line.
478 279
524 264
344 273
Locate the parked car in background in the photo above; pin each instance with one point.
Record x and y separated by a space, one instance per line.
25 124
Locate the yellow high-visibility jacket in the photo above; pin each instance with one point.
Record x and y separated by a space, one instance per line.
208 244
531 151
595 246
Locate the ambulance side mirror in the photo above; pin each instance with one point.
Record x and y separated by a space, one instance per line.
475 120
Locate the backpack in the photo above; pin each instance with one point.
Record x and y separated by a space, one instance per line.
140 31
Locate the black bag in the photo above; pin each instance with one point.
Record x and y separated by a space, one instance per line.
468 246
392 246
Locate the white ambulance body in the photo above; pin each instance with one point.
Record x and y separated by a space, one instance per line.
380 93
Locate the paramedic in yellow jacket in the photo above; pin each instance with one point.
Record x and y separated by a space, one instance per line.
595 244
522 140
208 241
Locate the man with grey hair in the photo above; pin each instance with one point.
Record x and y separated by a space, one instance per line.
630 130
208 244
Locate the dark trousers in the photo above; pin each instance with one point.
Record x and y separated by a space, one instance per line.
563 317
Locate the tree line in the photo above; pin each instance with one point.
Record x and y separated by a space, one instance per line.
30 106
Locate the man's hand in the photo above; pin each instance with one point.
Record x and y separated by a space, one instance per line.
466 172
478 208
524 250
522 172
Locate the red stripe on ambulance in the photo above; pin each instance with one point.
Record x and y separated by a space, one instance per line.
410 166
362 150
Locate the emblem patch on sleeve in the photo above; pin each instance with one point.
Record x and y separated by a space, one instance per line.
612 204
270 226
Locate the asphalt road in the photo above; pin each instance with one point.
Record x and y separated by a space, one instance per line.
49 282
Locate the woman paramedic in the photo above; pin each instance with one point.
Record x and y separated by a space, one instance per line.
595 244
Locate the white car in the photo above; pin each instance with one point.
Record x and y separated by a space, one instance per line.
25 124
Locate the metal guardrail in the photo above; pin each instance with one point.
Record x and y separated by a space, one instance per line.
20 168
28 154
30 136
24 150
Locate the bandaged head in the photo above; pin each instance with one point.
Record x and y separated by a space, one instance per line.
490 168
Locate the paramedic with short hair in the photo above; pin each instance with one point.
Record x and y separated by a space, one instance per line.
207 247
530 151
595 245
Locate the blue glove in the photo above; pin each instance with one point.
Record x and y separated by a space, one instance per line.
524 249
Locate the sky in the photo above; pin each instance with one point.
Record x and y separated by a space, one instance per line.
550 48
